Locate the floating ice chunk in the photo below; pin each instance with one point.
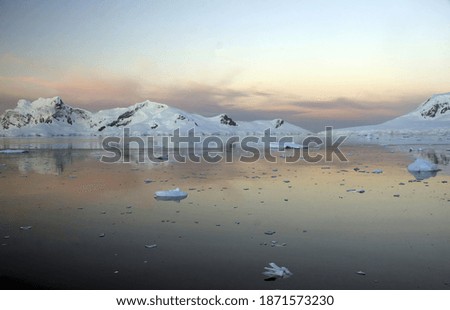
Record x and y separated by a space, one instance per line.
422 165
360 191
13 151
275 271
269 232
173 194
150 246
292 145
25 227
276 244
286 145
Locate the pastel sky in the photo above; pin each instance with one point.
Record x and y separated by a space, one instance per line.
314 63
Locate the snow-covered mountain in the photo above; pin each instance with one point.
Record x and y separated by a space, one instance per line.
429 122
52 117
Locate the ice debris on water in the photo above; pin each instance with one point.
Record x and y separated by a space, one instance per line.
25 227
274 271
269 232
173 194
361 191
163 157
276 244
150 246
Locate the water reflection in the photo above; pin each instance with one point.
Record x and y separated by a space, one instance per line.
423 175
325 232
42 162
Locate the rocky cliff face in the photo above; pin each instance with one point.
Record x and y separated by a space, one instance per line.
435 107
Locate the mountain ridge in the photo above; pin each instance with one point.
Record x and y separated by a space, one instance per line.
52 117
428 123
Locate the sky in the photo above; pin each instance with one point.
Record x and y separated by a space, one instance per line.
313 63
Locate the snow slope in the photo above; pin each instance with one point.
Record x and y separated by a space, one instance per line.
429 123
52 117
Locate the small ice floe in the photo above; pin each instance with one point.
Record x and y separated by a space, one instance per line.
172 194
377 171
269 232
25 227
360 191
423 169
361 273
13 151
276 244
292 145
150 246
274 272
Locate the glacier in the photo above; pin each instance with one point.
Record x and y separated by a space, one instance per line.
52 117
429 123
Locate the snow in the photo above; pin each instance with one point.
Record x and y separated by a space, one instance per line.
173 194
422 165
52 117
429 123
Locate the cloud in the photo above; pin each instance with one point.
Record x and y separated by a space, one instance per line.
94 89
92 92
251 104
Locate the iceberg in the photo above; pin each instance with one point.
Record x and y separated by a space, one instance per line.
173 194
423 169
274 271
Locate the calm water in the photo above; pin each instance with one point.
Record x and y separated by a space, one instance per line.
397 231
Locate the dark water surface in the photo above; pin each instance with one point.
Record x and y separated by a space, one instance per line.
397 231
